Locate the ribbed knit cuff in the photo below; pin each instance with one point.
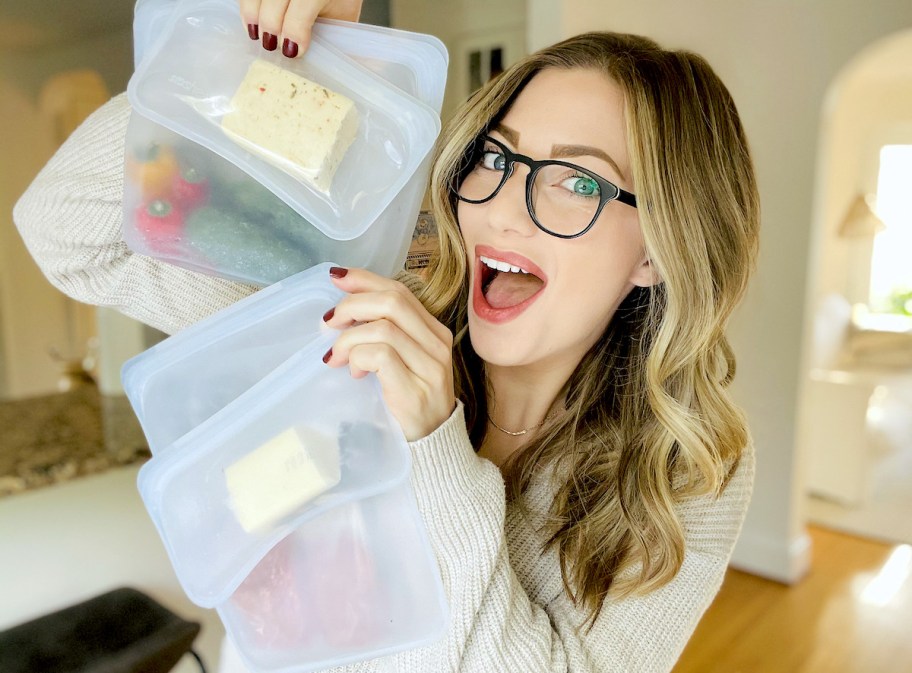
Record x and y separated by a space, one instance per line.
447 449
447 475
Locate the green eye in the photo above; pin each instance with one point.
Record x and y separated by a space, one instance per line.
586 187
582 185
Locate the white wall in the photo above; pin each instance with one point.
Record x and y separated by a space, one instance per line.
463 25
778 59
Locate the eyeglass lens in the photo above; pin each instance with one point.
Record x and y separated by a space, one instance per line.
564 200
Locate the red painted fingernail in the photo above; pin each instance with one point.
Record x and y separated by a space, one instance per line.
329 314
328 355
337 272
270 42
289 48
253 30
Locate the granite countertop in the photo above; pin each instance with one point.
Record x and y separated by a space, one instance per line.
54 438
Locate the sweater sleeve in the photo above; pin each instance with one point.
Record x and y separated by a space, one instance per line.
70 218
498 626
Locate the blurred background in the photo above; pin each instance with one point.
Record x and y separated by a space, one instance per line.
824 338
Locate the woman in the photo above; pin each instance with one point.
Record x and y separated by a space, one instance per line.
598 218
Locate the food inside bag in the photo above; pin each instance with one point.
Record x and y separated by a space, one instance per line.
282 474
357 582
287 118
318 590
184 203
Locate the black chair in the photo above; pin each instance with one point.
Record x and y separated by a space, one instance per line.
122 631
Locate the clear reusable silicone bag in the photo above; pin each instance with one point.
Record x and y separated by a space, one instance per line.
355 583
242 231
197 78
233 406
301 441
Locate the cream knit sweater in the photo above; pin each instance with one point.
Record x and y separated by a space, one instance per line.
509 612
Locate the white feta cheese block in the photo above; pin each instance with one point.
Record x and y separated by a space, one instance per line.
302 127
281 475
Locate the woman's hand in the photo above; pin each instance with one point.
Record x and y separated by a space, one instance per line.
292 20
387 330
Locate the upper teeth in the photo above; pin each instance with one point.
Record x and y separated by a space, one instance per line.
501 266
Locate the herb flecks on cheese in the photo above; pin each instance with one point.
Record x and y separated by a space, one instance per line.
293 122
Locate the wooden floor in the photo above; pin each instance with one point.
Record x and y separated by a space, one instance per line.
851 614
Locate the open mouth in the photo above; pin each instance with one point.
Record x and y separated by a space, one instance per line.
505 285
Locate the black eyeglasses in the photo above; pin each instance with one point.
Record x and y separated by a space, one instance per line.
563 199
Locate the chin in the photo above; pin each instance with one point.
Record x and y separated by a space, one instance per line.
493 345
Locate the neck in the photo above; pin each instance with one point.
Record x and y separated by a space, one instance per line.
522 397
519 398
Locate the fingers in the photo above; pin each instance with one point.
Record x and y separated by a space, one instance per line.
298 25
386 330
391 346
290 22
393 307
272 18
373 297
250 17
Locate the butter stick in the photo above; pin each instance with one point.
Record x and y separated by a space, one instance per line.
276 478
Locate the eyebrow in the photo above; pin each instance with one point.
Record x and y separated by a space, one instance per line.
564 151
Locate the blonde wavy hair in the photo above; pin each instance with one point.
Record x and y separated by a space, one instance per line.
648 419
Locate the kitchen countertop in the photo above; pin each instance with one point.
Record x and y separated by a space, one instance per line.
54 438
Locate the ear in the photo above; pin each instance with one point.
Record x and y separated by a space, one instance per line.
645 274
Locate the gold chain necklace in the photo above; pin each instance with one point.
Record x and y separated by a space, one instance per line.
520 432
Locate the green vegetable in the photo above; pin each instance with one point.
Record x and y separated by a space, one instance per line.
241 247
249 199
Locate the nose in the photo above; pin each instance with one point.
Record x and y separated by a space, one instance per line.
507 211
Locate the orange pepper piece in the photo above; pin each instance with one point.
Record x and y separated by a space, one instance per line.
153 169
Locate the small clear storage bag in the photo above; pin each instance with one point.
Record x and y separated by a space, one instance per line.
184 380
195 198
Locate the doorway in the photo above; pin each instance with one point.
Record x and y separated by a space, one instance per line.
855 404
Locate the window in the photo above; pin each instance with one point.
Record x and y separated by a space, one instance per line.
891 260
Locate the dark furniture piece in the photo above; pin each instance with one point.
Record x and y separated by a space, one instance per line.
121 631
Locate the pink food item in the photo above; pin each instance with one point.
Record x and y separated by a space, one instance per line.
317 588
269 602
346 591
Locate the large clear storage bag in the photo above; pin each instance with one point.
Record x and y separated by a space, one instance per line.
234 227
300 442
